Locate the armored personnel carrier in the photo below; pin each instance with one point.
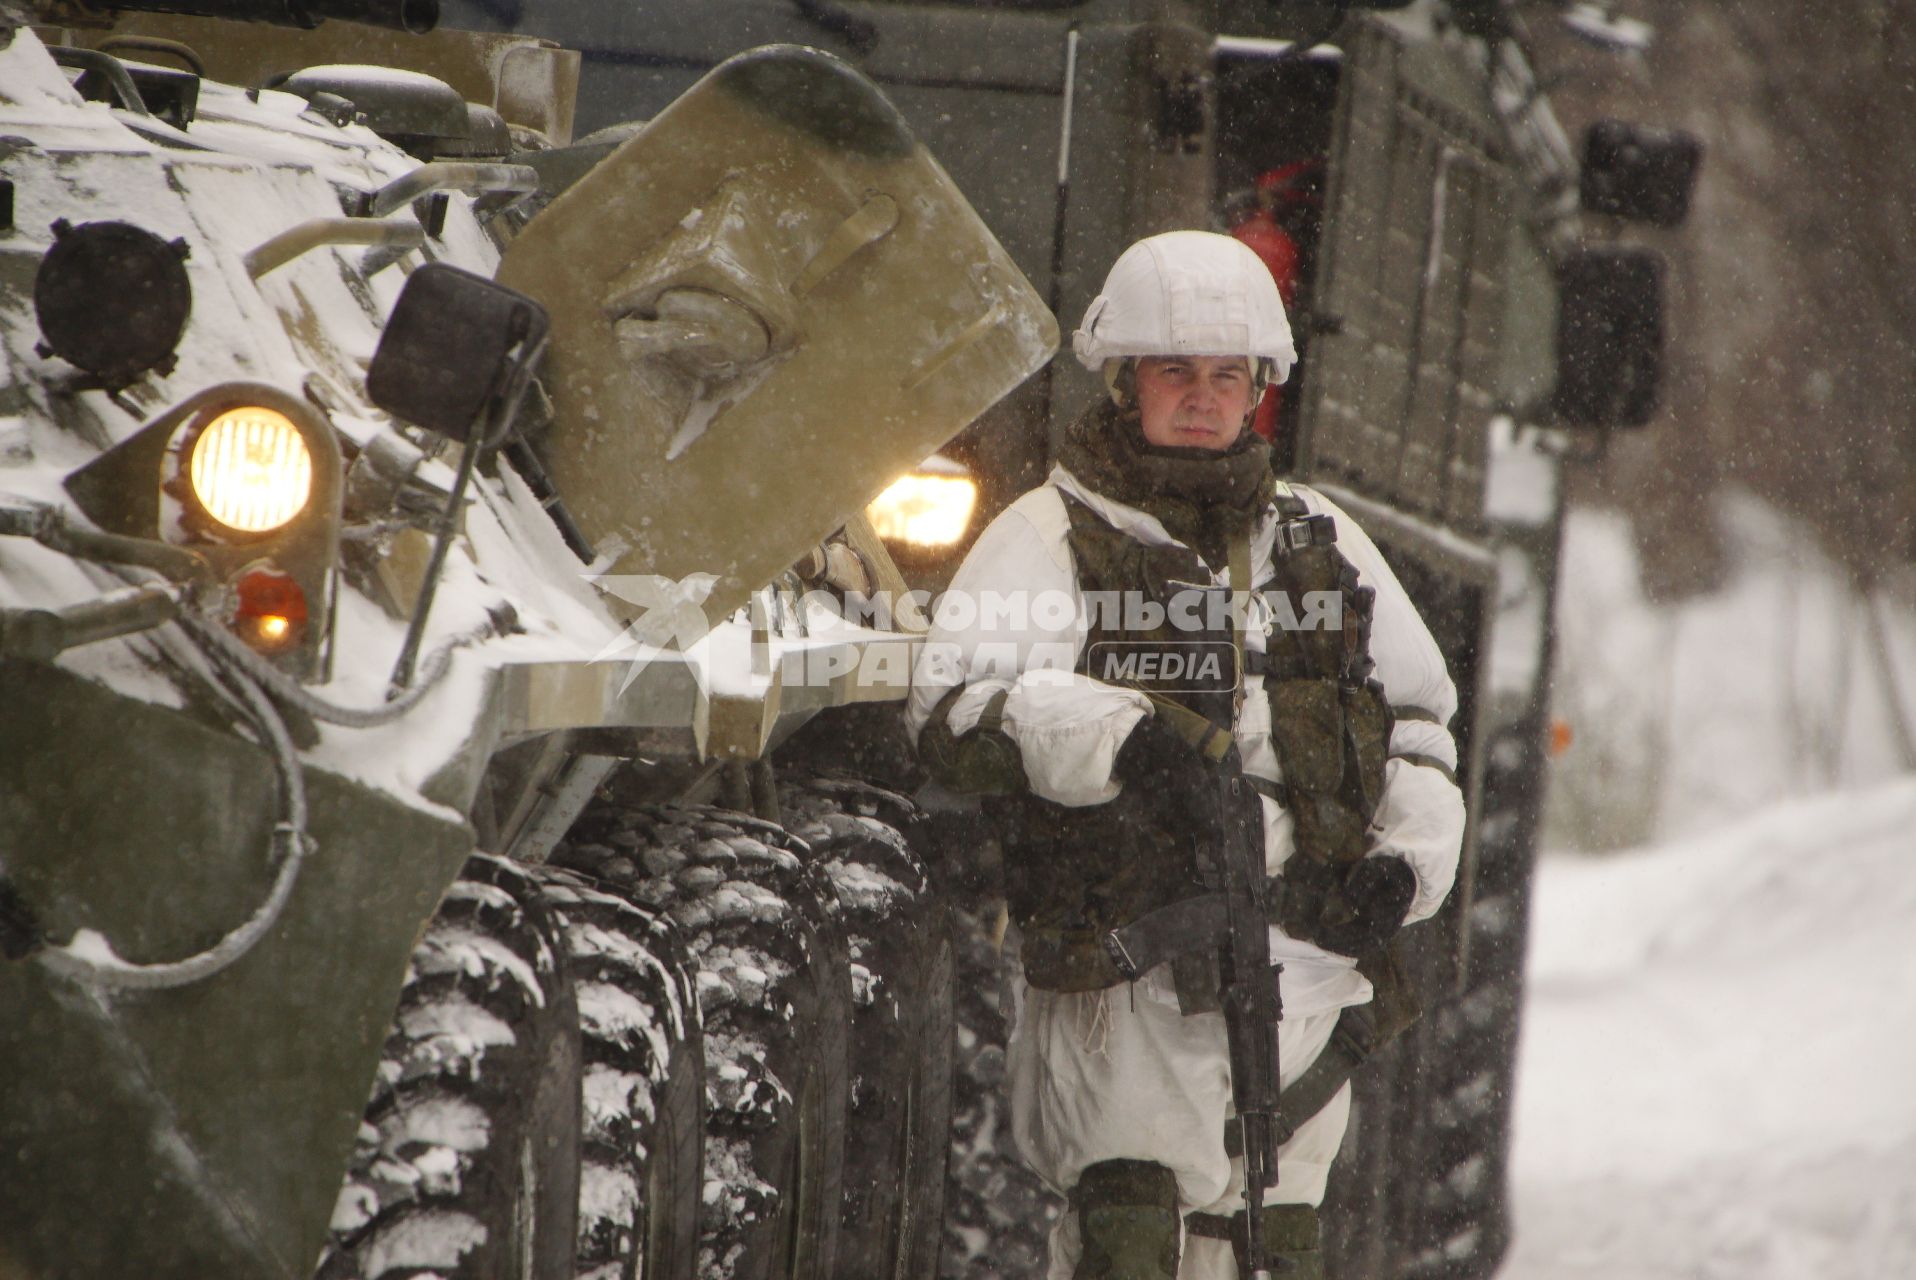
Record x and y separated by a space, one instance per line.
412 556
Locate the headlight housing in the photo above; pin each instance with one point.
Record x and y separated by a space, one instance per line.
928 509
248 476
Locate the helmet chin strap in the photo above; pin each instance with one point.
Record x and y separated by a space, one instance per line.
1263 377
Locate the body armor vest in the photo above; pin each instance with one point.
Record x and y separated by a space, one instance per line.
1083 871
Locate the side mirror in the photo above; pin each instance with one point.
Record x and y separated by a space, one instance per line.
1644 175
456 357
454 344
1609 337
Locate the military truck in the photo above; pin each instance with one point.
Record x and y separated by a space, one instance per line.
1470 309
412 555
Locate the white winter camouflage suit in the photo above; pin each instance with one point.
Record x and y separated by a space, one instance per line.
1121 1073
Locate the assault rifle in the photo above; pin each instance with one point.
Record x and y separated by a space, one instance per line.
1233 919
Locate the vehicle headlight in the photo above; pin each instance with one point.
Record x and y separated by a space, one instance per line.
247 476
924 509
251 469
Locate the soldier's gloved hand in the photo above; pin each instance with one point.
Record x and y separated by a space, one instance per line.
1378 891
1152 755
1176 785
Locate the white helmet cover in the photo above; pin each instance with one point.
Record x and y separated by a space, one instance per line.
1193 293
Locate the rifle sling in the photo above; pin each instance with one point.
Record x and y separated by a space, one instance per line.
1209 739
1269 790
992 718
1238 565
1199 923
1291 1235
1428 762
1288 1228
1352 1041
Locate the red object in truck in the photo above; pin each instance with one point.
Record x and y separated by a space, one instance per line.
1276 247
1261 232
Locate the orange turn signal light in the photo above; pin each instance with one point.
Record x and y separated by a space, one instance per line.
271 614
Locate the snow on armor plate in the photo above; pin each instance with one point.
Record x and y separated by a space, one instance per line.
765 306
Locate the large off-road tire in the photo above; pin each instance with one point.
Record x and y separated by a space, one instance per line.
1465 1229
467 1163
902 969
1419 1191
773 992
998 1215
641 1171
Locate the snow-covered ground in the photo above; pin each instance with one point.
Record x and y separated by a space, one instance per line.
1718 1072
1718 1068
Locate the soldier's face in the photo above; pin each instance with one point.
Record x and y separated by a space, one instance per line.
1193 402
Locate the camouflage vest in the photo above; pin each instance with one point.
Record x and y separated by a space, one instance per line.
1093 869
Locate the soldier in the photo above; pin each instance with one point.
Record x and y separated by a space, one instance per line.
1084 728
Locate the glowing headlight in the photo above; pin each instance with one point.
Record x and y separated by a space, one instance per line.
251 469
924 510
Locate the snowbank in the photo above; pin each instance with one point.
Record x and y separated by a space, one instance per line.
1718 1069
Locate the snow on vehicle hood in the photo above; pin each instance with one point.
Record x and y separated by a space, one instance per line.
245 171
